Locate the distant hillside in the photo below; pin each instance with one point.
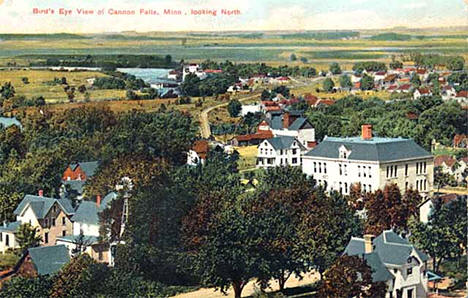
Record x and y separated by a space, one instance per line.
391 36
41 36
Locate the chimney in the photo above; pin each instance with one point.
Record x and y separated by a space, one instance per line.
98 200
40 193
286 119
368 243
366 130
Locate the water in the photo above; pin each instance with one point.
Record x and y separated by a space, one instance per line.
149 75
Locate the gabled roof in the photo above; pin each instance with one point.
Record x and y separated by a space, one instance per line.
10 226
201 148
89 168
379 271
405 87
74 238
87 211
375 149
42 205
282 142
7 122
462 94
447 159
49 259
75 185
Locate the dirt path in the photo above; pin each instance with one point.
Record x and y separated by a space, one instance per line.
250 288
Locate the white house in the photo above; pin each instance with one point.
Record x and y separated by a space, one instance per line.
448 92
394 261
421 92
279 151
254 108
292 124
374 162
197 155
193 69
452 166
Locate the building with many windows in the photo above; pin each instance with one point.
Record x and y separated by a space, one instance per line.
280 151
371 161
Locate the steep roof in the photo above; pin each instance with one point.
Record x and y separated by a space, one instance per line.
201 148
49 259
7 122
379 271
281 142
87 211
42 205
375 149
75 185
89 167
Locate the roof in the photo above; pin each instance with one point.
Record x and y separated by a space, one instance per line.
276 121
75 185
201 148
457 139
375 149
463 94
405 87
42 205
379 271
424 91
89 168
281 142
441 159
49 259
257 136
7 122
87 211
10 226
390 78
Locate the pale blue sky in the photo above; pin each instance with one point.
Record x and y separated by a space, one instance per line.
17 15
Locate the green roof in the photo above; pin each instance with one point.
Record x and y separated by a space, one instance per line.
379 271
89 167
10 226
282 142
49 259
42 205
87 211
74 238
375 149
75 185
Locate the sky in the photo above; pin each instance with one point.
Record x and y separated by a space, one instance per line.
17 15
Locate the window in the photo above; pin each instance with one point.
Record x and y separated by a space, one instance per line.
346 187
7 240
425 184
1 237
396 170
344 154
55 208
46 237
294 160
294 151
63 221
53 221
364 171
324 167
46 222
315 167
406 185
388 170
341 170
409 271
370 188
369 170
320 167
364 188
410 293
424 168
346 170
341 187
64 233
359 171
100 255
406 169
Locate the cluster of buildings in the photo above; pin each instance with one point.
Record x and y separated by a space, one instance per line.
66 225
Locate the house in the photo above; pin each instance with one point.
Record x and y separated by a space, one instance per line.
389 80
405 88
39 261
421 92
51 217
263 133
451 166
460 141
193 69
462 96
310 99
293 124
197 155
86 229
279 151
6 122
80 171
374 162
8 235
254 108
393 260
448 92
379 76
174 75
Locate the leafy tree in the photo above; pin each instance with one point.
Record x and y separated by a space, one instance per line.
190 85
456 63
367 83
7 91
130 94
25 287
265 94
415 80
388 209
335 68
350 276
82 89
444 236
396 64
328 84
234 107
27 237
293 57
345 81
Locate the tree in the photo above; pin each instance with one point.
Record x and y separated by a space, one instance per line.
234 107
82 89
350 276
396 64
190 86
367 82
7 91
25 287
328 85
27 237
387 209
304 60
130 94
415 81
335 68
456 63
265 95
345 81
293 57
444 236
25 80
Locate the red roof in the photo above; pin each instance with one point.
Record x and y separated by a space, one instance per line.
424 91
201 147
380 73
213 70
405 87
421 71
357 85
273 108
457 139
256 136
269 103
393 87
441 159
283 79
462 94
412 116
327 102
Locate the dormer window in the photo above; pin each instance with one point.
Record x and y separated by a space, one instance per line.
344 152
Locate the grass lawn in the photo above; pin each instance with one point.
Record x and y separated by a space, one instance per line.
38 85
248 157
8 260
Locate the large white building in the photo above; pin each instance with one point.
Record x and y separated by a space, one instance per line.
279 151
394 261
374 162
